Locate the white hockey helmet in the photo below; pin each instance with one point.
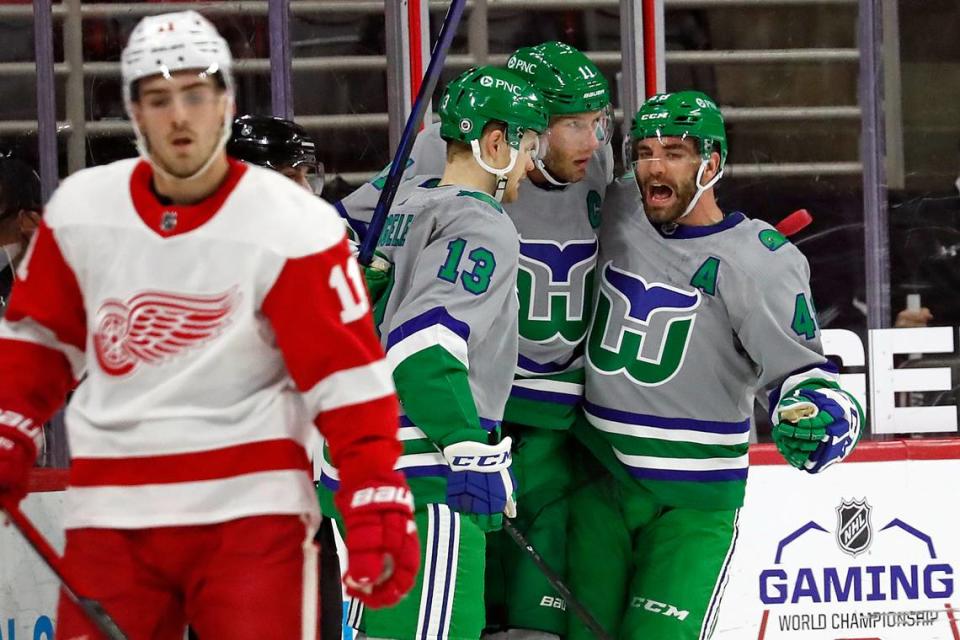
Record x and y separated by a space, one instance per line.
171 42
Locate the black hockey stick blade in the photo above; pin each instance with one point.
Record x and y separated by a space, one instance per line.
556 582
399 162
93 609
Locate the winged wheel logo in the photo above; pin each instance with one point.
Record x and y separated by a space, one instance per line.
155 326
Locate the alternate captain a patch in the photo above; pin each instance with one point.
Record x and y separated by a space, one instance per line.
642 329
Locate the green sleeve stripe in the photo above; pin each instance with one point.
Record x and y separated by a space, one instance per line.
434 389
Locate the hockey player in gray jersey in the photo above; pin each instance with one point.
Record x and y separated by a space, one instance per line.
696 312
448 322
556 214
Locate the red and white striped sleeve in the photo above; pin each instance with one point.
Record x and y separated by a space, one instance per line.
42 336
320 313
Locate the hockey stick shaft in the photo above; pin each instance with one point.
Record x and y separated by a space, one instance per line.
556 582
399 163
93 610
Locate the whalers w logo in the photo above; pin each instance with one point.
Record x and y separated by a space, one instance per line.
554 284
854 532
641 328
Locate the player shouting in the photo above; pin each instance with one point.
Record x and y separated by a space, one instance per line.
697 311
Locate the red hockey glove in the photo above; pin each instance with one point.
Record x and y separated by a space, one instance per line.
383 551
17 453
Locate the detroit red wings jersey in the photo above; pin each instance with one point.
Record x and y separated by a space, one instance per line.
212 339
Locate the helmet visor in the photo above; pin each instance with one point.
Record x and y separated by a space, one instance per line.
672 151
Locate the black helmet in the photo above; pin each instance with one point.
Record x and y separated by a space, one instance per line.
274 143
19 187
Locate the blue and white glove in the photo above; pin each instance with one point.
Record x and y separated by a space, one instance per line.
815 427
480 479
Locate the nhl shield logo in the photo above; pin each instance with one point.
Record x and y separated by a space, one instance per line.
854 530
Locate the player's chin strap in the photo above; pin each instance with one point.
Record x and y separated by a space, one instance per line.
701 187
500 174
144 150
538 163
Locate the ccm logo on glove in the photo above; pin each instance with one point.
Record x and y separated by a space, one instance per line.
480 462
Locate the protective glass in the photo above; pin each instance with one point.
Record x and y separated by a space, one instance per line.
306 170
668 151
580 127
536 143
315 177
541 145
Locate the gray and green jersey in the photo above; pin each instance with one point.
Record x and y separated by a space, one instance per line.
558 251
448 323
687 327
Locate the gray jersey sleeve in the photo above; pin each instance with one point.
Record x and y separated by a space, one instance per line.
771 309
451 332
427 159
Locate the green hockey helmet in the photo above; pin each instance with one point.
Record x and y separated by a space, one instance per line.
490 94
569 81
683 114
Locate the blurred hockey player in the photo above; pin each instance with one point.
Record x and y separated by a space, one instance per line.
697 311
20 206
278 144
196 325
556 213
286 147
448 322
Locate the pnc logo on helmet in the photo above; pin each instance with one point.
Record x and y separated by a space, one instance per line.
523 65
497 83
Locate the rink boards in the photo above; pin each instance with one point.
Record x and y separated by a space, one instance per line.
868 550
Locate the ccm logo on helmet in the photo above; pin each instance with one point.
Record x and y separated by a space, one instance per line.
523 65
487 81
655 116
480 461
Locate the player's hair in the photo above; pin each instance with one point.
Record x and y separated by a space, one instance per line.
456 148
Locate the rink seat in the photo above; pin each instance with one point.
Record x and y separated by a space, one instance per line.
867 550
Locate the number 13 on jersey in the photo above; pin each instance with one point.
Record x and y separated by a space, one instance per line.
477 279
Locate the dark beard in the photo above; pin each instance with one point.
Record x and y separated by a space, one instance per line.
683 194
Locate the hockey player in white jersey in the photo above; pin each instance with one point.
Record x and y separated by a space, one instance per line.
697 311
195 325
556 213
448 321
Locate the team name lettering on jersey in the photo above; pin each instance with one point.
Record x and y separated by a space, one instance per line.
555 286
642 329
156 326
